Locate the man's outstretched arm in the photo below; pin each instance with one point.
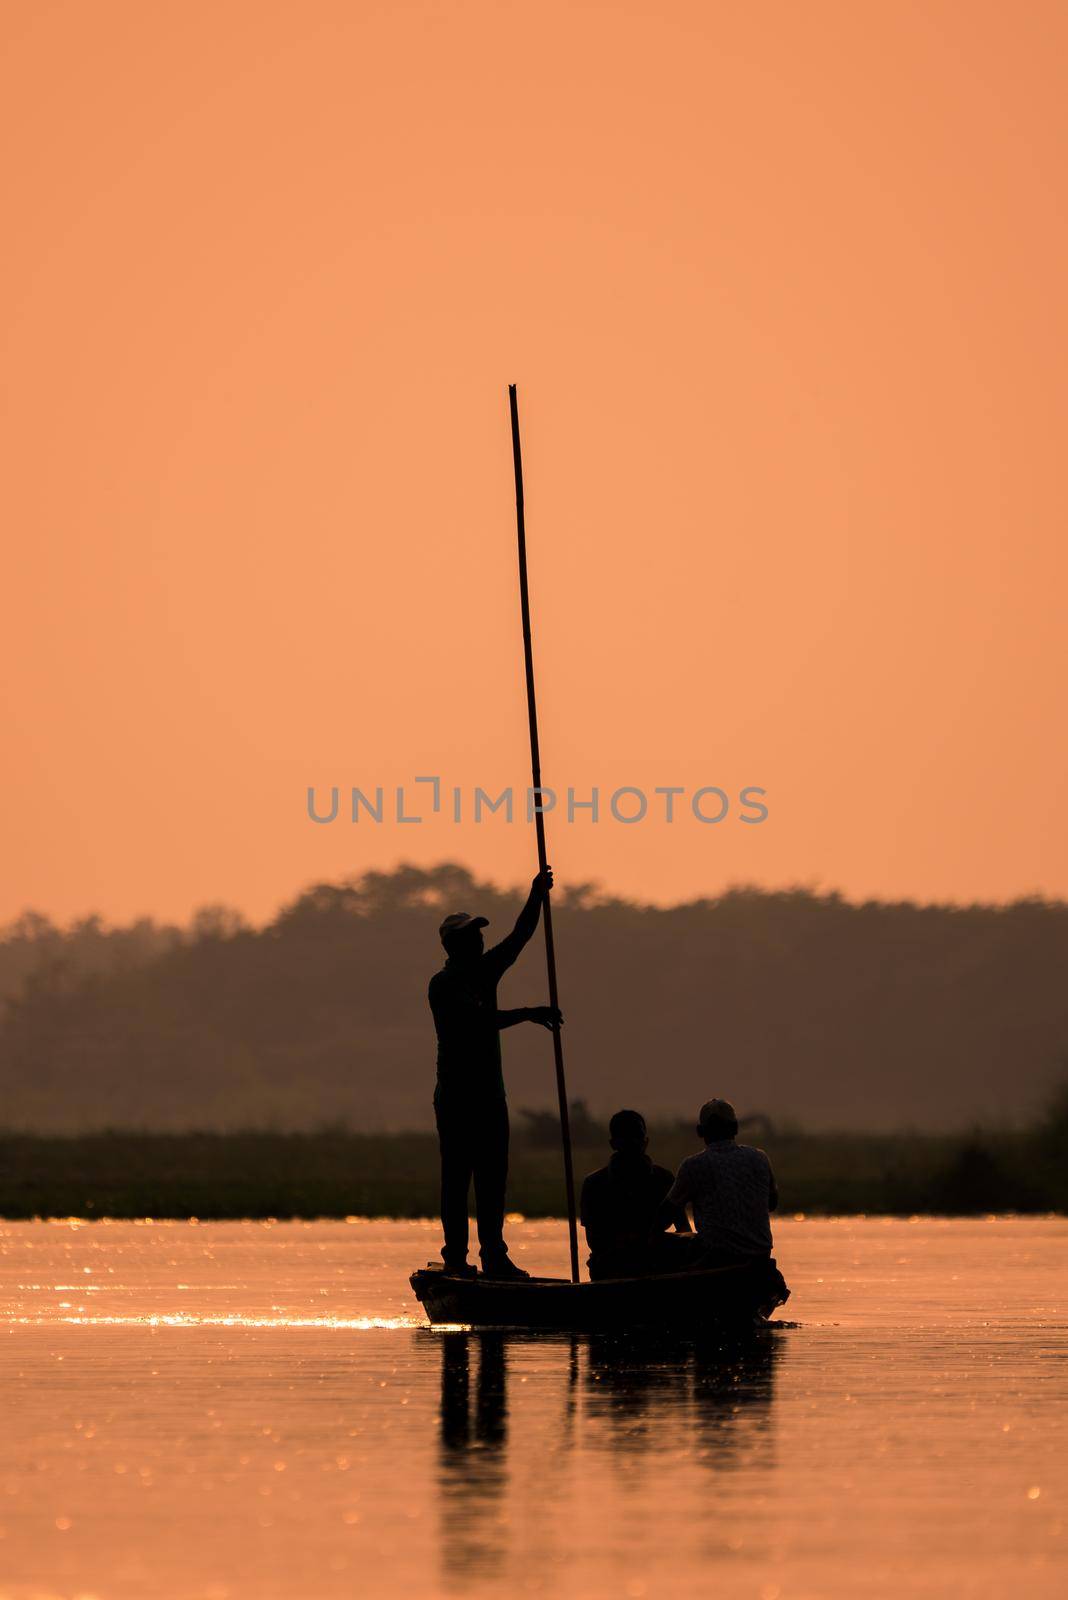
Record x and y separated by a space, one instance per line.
502 955
546 1015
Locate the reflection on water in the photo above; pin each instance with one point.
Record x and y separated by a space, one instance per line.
260 1412
649 1393
634 1395
474 1460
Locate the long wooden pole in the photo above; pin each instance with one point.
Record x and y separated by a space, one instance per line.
539 824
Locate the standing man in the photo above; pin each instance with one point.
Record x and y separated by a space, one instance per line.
469 1100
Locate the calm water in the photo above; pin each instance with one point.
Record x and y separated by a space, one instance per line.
253 1410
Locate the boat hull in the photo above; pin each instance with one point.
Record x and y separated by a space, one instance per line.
720 1297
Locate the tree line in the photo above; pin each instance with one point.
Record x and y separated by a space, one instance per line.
809 1008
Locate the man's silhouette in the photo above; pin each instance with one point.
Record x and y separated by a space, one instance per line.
469 1100
730 1187
625 1211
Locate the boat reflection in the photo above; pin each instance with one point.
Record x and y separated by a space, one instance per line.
642 1402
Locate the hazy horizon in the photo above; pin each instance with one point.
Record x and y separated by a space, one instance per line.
811 1008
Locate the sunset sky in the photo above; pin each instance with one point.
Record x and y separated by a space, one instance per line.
783 290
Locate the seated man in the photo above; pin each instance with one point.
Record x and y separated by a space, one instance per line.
731 1188
624 1209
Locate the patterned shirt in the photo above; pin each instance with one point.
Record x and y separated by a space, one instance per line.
732 1189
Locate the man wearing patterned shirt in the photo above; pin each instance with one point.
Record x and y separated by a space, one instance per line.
730 1187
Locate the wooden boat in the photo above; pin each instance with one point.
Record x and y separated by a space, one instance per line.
717 1298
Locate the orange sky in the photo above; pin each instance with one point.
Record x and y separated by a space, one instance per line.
782 287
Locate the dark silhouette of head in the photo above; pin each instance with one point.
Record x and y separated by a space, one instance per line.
716 1120
461 934
627 1133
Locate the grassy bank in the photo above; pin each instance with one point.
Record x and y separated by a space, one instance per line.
337 1173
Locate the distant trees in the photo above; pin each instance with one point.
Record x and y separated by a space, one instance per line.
815 1010
541 1128
33 949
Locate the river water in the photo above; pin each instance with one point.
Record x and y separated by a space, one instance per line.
256 1410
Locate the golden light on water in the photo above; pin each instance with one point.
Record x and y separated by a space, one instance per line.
178 1320
915 1348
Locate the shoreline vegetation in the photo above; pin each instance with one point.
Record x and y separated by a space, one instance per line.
334 1172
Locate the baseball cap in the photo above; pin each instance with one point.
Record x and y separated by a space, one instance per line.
716 1111
459 920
